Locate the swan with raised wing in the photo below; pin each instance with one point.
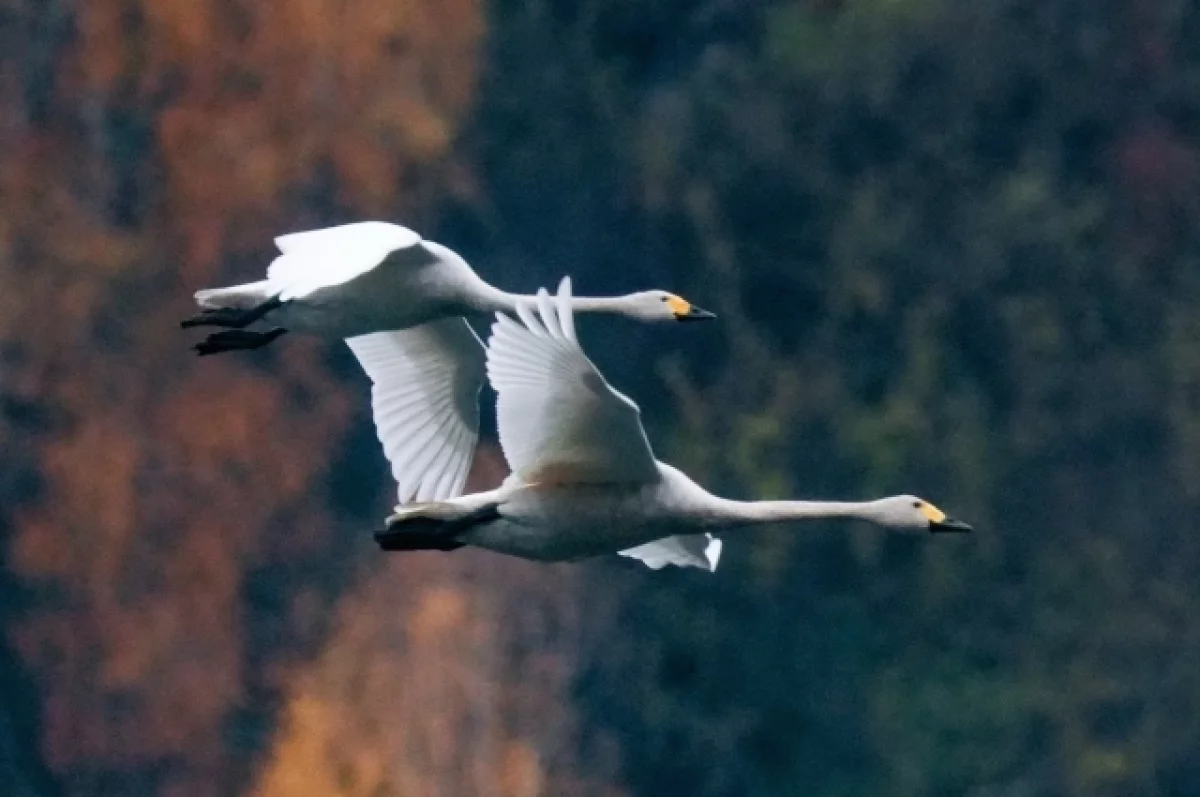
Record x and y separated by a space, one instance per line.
584 480
400 302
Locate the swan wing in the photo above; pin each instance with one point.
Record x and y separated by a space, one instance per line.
559 420
425 399
686 550
316 259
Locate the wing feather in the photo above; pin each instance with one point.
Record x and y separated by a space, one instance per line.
315 259
685 550
455 471
557 416
425 400
432 461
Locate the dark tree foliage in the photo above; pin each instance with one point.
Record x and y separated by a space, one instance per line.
953 248
954 251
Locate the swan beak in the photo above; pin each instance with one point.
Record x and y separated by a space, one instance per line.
683 310
694 313
950 525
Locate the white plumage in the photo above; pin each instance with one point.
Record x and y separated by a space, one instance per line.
425 400
400 302
584 480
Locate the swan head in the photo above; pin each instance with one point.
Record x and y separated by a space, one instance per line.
663 306
910 513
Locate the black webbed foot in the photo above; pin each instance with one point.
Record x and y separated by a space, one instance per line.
236 340
413 528
415 541
222 317
231 317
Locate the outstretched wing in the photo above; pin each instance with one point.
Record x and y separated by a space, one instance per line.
425 400
687 550
559 420
317 259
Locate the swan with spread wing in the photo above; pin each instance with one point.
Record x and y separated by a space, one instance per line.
584 479
400 302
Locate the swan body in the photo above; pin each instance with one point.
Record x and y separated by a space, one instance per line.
586 519
584 480
400 302
359 278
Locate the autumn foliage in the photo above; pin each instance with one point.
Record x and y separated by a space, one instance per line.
954 251
172 535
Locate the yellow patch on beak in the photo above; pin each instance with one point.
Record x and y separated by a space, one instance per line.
934 514
680 307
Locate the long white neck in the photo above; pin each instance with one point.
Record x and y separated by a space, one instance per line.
723 512
599 304
486 300
494 300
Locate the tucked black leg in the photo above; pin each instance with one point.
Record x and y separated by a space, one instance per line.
410 541
236 340
221 317
231 317
417 532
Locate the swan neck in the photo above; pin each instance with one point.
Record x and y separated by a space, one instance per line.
488 300
598 304
492 300
748 513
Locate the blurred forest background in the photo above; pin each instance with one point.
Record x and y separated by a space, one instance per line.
953 247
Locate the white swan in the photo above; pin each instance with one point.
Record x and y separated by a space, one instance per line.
584 480
400 301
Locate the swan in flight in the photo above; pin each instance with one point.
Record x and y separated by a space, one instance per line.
399 300
355 279
584 480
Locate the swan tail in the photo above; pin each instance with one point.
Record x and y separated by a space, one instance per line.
240 297
432 526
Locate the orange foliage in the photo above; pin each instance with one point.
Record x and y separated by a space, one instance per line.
445 676
166 483
259 98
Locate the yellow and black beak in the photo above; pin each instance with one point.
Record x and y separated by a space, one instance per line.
686 311
940 523
950 525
